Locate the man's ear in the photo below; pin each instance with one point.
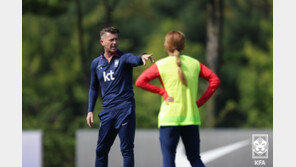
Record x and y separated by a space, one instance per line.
101 41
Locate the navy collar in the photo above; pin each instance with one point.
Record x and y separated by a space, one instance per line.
118 53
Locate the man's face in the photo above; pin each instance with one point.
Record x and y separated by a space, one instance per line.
109 42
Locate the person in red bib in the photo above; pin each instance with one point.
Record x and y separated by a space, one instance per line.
179 110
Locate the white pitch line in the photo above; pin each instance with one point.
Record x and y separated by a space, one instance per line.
208 156
211 155
181 159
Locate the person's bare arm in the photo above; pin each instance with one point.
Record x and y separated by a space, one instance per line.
90 119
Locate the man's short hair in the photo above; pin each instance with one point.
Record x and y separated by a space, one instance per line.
111 30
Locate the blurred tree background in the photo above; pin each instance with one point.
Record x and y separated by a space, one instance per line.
61 38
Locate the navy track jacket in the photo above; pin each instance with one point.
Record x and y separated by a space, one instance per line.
114 78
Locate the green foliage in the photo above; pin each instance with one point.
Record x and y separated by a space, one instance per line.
50 8
256 88
56 76
246 93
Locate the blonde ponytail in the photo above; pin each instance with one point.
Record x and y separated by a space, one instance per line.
180 72
174 42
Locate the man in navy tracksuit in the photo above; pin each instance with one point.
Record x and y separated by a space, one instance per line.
113 72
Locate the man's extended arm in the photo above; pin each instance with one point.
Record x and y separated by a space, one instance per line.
137 60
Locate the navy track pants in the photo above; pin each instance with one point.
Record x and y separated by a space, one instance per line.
109 129
169 138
